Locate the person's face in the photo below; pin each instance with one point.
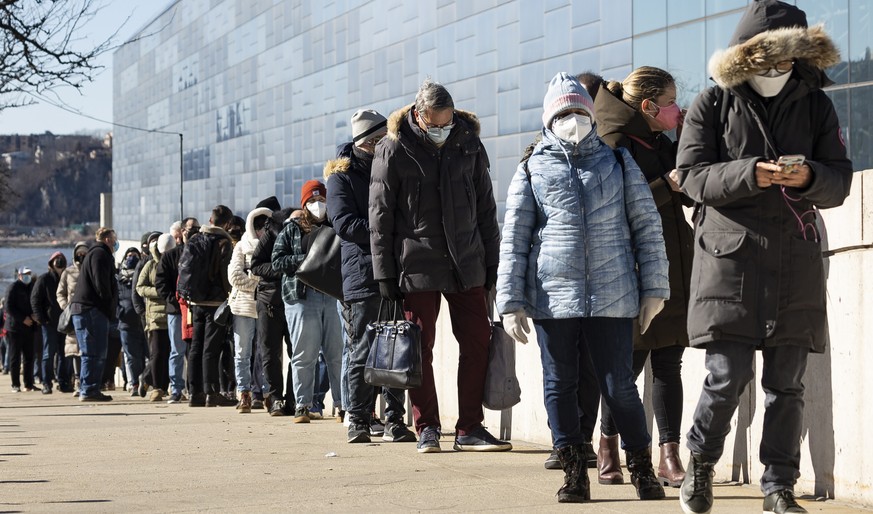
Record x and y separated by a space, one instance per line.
665 100
369 145
190 229
110 240
177 236
59 264
80 255
434 118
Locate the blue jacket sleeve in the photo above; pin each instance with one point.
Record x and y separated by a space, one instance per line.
519 224
348 223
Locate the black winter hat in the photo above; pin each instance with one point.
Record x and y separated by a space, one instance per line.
271 203
764 15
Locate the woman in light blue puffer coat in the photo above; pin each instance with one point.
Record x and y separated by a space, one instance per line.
582 255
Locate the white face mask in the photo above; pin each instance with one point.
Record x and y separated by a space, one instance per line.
572 127
769 85
317 209
439 134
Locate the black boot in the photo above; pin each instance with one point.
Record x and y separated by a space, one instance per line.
639 464
695 493
576 488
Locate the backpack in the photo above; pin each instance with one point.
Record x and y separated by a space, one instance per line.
195 266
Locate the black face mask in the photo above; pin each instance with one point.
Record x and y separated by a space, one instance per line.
60 264
78 257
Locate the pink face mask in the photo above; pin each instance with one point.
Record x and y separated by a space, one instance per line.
668 117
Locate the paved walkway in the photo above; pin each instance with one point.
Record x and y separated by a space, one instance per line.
57 454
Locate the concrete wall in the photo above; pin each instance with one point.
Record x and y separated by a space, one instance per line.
837 458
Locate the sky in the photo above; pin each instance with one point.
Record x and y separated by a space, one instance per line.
95 98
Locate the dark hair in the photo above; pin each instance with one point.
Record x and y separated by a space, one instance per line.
591 82
237 227
259 221
222 216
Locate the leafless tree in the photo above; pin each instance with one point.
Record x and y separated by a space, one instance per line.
42 47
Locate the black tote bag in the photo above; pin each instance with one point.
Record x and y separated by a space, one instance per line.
395 351
321 269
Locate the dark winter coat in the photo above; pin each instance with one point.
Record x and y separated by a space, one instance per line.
97 287
138 301
216 261
44 299
757 277
656 156
269 288
433 218
128 319
18 307
166 275
348 189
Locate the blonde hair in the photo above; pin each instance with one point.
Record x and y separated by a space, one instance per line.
645 82
103 233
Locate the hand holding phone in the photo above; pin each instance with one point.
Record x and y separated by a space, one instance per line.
790 163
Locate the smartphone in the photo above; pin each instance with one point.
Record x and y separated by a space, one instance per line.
790 163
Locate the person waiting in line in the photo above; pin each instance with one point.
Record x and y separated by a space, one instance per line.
433 234
46 311
93 307
156 317
243 305
582 255
21 330
133 340
313 322
348 181
66 288
166 278
634 114
759 281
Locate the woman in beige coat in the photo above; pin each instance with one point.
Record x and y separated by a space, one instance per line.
66 287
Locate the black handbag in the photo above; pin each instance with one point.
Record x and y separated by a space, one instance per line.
321 269
395 351
65 321
223 316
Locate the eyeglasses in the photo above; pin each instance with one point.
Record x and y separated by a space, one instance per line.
373 141
781 67
430 125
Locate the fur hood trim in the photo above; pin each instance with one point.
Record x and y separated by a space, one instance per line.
737 64
340 165
212 229
397 118
250 221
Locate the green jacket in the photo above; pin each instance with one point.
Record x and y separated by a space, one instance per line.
156 305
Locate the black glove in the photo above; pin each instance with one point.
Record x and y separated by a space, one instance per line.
490 277
389 290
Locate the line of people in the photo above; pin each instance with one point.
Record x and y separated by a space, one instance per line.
595 252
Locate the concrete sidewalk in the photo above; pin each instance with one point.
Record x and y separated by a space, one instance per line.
57 454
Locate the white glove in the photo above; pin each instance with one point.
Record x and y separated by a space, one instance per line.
515 324
649 308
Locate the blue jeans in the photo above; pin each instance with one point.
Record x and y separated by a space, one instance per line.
314 325
52 349
610 344
133 343
92 331
178 349
244 330
361 394
322 384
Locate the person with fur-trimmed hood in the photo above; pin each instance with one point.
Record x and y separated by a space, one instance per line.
434 231
348 183
758 278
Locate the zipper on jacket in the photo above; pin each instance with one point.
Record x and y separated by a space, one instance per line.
574 177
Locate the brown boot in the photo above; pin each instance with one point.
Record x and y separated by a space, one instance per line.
670 470
609 461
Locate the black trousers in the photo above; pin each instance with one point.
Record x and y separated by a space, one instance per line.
205 351
271 328
112 353
21 343
159 366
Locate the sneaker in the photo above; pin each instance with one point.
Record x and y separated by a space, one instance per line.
177 398
28 389
156 395
110 386
301 415
695 493
76 393
16 389
277 408
134 391
398 432
143 389
96 397
780 502
480 440
46 389
257 404
552 461
377 428
429 440
316 414
219 400
359 433
245 402
197 400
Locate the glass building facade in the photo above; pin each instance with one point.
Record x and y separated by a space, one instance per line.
262 90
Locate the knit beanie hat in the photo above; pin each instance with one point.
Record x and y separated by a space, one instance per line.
271 203
311 188
166 242
565 93
366 124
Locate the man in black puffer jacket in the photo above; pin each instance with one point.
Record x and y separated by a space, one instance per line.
46 311
20 329
271 311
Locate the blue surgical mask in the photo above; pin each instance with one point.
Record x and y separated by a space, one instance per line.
25 279
116 246
439 134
